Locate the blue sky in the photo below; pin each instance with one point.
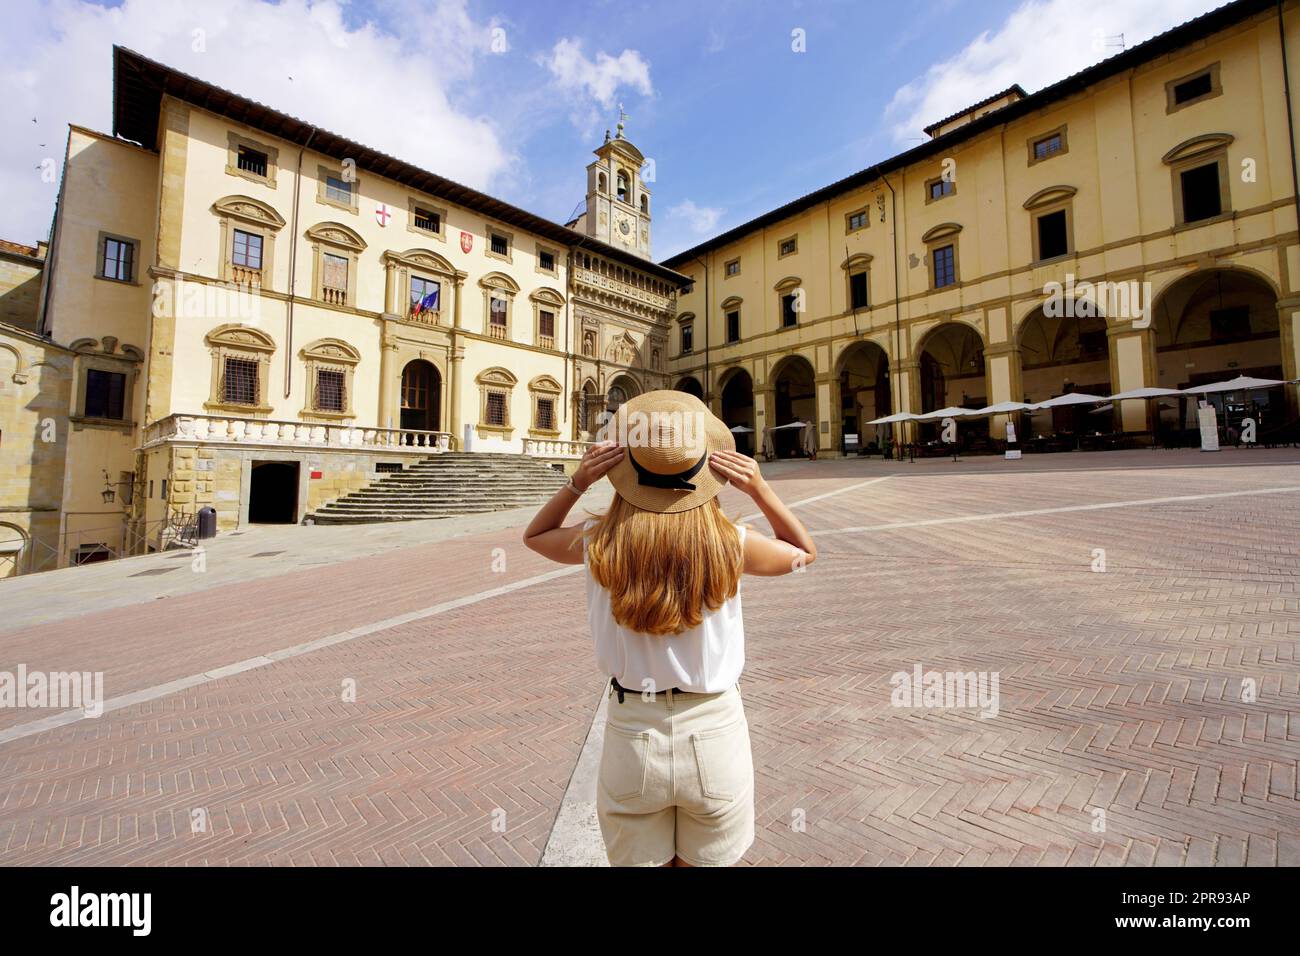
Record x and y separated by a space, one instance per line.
511 97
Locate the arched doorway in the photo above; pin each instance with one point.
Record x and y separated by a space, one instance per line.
620 390
795 399
864 392
1211 326
421 396
738 407
952 373
1061 354
691 386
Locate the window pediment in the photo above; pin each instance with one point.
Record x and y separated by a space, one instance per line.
859 260
1052 194
686 317
336 234
544 383
788 283
942 231
241 337
547 297
499 282
1189 148
496 376
425 260
731 302
248 209
331 350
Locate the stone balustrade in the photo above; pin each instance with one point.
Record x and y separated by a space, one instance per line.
555 448
227 429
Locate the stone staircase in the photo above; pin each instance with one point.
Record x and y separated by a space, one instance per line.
451 483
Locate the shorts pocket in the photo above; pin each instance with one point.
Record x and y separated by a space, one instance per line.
623 762
724 761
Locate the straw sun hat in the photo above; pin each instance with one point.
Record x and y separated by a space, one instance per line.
668 436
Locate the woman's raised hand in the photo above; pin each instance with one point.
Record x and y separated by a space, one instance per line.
599 459
741 470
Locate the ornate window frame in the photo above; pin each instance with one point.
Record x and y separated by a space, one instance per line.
440 234
401 267
944 234
332 355
105 359
685 322
498 380
1043 203
252 216
233 340
540 388
728 305
549 300
857 264
340 240
498 284
1200 151
322 197
788 285
234 141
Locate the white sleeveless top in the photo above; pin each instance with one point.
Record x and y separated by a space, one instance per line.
705 659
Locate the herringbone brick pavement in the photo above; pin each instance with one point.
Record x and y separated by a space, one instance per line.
1120 691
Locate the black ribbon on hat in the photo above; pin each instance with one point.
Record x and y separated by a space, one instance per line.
678 480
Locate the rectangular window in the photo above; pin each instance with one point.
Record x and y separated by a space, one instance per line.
1229 325
334 278
330 385
427 219
546 328
496 408
1047 146
688 338
546 414
338 190
105 394
858 290
247 250
788 247
1053 236
945 267
500 245
119 260
252 161
789 316
497 318
940 188
857 220
239 382
733 326
1194 88
426 297
1201 198
733 267
546 260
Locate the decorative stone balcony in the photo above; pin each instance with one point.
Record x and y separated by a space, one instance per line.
555 448
226 429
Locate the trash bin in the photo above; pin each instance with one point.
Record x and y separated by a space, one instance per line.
207 523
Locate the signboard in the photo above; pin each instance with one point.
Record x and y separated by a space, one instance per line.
1209 423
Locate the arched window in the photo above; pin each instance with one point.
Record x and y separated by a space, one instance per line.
623 188
601 184
645 205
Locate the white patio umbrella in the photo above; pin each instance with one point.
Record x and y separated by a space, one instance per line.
952 411
794 424
740 429
890 419
1001 408
1239 384
1071 398
1148 392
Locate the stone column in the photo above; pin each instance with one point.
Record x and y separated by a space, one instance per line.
387 374
456 356
908 390
1002 372
827 410
1132 365
1288 326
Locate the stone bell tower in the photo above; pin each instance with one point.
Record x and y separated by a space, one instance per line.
618 201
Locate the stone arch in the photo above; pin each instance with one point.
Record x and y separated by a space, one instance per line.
248 209
336 234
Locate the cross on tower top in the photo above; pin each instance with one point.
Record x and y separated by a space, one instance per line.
622 116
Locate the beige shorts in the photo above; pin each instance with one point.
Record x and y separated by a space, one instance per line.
676 779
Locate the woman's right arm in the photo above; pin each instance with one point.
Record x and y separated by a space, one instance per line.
793 547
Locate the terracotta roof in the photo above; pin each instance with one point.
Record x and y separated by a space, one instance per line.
1013 88
139 84
1174 39
19 249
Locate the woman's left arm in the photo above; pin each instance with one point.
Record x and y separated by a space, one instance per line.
544 533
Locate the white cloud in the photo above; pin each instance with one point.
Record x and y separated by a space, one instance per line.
591 82
1041 42
298 56
698 219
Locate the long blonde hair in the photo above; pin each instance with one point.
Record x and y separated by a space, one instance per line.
663 570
